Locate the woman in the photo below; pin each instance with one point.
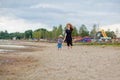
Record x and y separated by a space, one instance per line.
68 35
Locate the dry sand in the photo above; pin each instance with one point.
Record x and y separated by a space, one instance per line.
78 63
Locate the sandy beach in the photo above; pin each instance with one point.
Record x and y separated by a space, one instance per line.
45 62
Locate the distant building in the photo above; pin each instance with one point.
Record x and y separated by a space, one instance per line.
14 38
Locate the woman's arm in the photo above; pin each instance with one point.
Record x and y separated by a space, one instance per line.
65 37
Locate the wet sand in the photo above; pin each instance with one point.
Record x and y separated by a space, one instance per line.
78 63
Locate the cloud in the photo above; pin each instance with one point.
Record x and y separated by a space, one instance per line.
45 5
13 24
54 12
113 27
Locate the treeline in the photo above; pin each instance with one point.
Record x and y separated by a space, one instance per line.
6 35
43 33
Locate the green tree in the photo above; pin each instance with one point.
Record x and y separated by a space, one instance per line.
59 30
54 32
18 35
4 35
49 34
110 33
28 34
37 35
83 31
1 34
43 33
74 32
93 31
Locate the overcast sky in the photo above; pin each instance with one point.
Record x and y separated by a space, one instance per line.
20 15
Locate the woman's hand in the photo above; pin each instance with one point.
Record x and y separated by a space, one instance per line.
64 38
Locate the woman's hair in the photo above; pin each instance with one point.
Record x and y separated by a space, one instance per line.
71 27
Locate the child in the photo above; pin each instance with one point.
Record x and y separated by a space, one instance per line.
60 40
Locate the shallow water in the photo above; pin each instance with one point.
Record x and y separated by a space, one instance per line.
12 48
5 50
16 46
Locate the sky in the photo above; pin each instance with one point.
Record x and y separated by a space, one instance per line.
21 15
